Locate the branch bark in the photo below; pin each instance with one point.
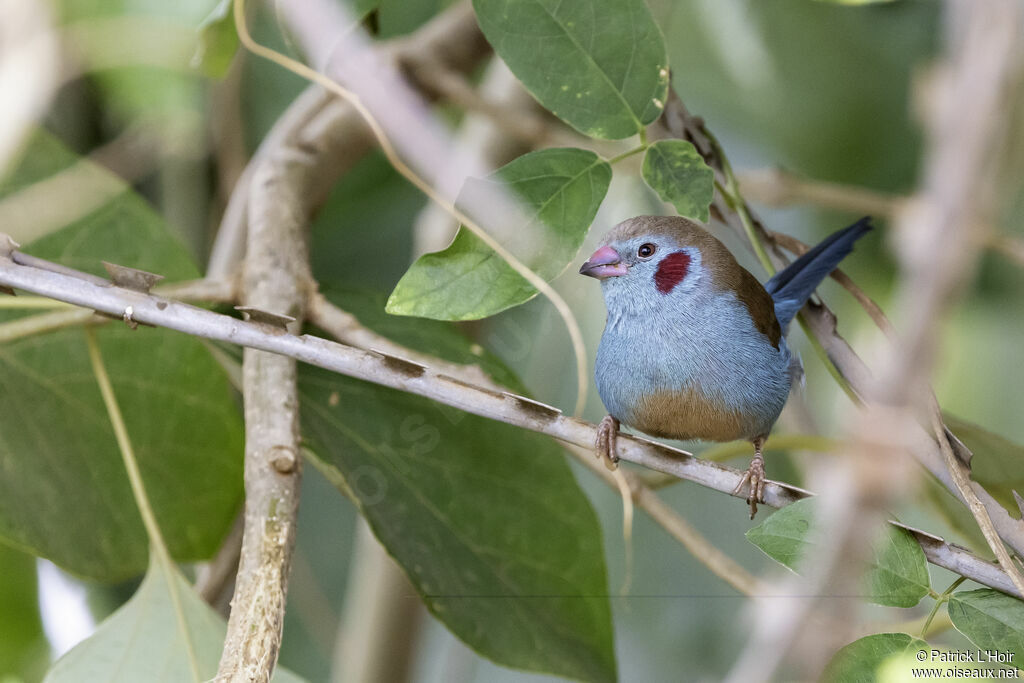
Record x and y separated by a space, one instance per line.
276 279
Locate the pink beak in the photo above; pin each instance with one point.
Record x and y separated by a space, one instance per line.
604 263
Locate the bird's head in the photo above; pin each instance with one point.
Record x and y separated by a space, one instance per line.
651 265
648 260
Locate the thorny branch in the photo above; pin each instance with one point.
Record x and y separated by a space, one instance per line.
405 375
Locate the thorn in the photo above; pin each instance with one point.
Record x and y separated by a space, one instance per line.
258 315
7 245
7 290
406 367
1020 502
536 408
131 278
963 453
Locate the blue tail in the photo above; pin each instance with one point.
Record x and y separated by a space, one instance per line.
792 286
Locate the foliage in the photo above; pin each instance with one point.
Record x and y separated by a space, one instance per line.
467 281
861 660
898 575
991 620
485 518
64 494
612 66
142 640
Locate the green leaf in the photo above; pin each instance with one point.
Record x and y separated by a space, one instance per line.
783 535
990 620
486 519
142 641
860 661
563 189
218 41
898 576
64 493
24 651
600 67
677 172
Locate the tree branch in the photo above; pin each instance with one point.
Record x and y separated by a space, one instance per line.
276 278
405 375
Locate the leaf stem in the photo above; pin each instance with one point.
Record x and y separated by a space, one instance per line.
627 154
131 465
939 600
731 193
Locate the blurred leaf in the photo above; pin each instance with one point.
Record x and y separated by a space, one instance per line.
139 54
898 576
600 67
372 193
142 641
64 493
856 2
485 518
958 517
998 463
364 7
218 41
467 281
758 82
990 620
860 661
677 172
400 17
24 651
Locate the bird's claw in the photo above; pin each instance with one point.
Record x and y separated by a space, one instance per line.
755 477
607 431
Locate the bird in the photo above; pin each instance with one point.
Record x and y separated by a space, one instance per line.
694 346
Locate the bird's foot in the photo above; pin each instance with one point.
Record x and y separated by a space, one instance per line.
607 431
755 477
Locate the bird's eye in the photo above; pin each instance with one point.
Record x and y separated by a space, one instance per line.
646 250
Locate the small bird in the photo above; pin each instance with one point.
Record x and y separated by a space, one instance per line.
694 346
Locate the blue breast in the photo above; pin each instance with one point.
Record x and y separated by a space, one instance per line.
709 353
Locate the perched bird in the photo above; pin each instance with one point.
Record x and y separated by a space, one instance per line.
694 346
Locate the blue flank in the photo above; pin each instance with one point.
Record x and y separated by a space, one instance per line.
793 285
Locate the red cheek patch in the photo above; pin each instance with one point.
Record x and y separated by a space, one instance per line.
671 271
